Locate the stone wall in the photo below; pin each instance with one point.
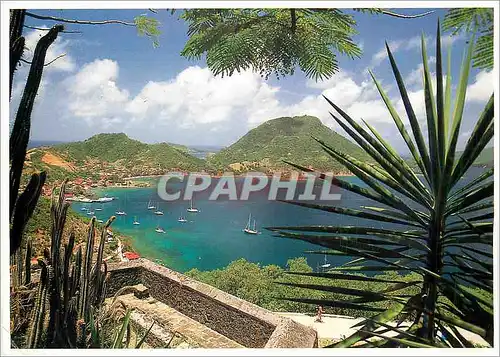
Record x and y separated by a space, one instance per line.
237 319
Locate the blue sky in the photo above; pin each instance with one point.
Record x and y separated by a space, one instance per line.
112 80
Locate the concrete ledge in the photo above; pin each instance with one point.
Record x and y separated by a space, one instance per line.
243 322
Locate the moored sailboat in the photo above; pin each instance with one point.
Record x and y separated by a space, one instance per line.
191 208
158 212
249 229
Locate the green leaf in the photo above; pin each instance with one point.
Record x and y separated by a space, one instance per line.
470 198
484 176
387 315
440 100
421 157
334 303
346 277
356 189
479 138
94 331
430 109
140 343
447 105
361 170
458 111
463 324
118 342
351 212
402 341
405 167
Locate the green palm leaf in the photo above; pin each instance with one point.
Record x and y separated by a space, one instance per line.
449 230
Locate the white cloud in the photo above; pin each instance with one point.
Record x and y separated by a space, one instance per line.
94 94
413 44
415 77
58 48
195 96
482 88
381 55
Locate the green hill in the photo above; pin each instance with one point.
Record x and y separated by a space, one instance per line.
129 153
116 155
265 147
485 158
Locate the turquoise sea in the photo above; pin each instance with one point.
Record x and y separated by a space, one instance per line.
213 237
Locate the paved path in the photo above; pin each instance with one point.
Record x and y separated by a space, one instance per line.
337 327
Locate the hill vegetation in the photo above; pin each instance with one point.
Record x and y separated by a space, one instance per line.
289 138
115 155
264 286
485 158
130 153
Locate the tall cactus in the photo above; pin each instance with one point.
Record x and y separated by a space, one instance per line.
21 206
27 263
70 291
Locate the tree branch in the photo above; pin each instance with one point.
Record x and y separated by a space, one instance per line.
44 29
401 16
79 22
46 64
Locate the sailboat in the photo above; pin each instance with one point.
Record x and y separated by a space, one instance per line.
90 211
120 212
136 223
150 205
325 265
191 208
248 229
182 219
159 229
158 212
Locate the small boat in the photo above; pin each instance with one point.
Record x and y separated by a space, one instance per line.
99 208
136 223
151 206
90 213
191 208
248 229
83 209
159 230
100 221
120 213
158 212
325 265
105 199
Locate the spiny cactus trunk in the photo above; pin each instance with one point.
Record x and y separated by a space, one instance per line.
16 41
27 264
21 207
70 291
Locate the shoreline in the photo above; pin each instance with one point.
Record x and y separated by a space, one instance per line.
344 174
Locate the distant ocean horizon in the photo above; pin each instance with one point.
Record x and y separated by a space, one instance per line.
39 143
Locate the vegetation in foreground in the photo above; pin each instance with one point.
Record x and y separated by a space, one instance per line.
446 233
268 286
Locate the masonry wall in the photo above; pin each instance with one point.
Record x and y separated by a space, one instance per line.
237 319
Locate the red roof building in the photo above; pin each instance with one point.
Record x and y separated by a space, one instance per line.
131 256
